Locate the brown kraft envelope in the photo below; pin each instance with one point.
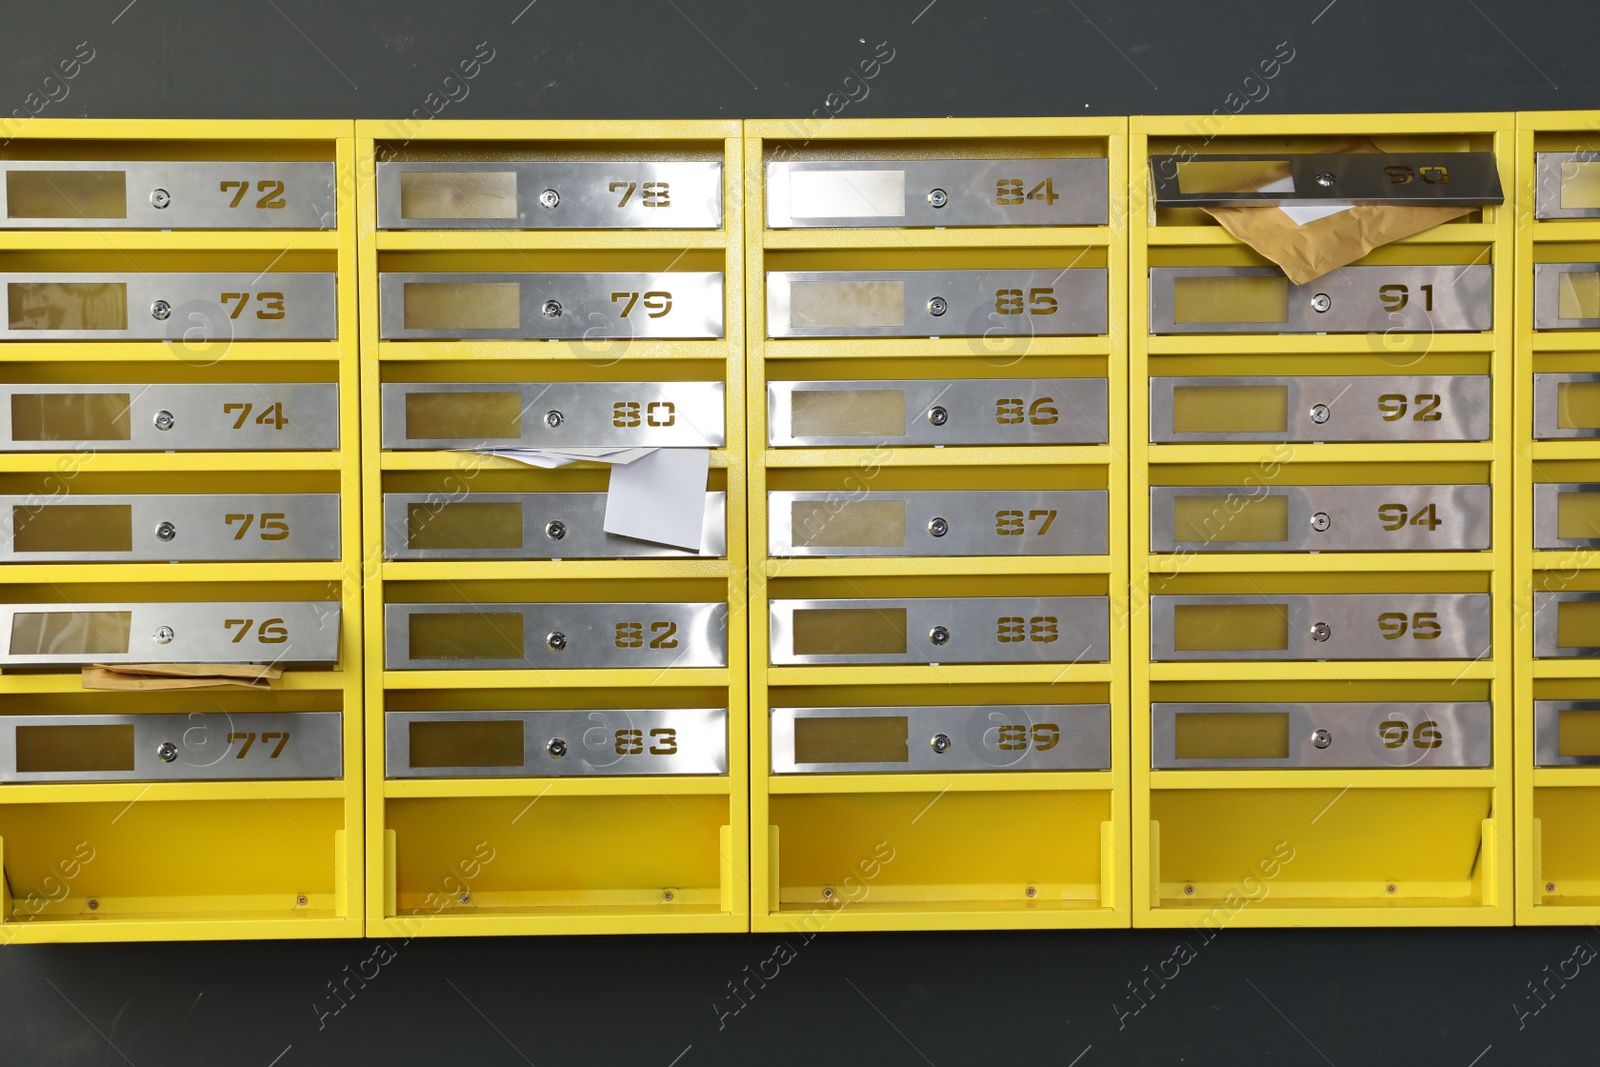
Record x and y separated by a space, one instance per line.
155 676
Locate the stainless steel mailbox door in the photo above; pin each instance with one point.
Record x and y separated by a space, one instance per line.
553 306
1566 624
935 303
1566 733
607 742
72 635
625 194
525 526
1566 515
166 195
1566 405
845 193
198 309
921 740
998 411
553 415
1320 518
163 417
1061 629
1333 735
888 522
198 746
1421 407
1352 300
187 526
1566 296
1566 185
1458 179
1321 626
554 636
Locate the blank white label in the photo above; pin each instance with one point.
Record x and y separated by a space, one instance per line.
847 194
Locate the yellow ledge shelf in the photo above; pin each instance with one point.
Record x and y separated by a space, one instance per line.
1567 667
53 573
1319 344
931 237
142 792
172 462
1475 233
543 240
973 782
292 924
988 915
1320 562
515 570
875 566
1564 341
1364 778
600 355
462 461
73 682
557 920
1578 448
599 678
1292 671
1565 559
1560 777
1327 913
598 786
1340 452
159 351
953 673
1566 230
900 456
162 240
1012 348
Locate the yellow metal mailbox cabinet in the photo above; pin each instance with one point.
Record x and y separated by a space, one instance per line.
555 713
1321 521
1558 516
178 463
937 511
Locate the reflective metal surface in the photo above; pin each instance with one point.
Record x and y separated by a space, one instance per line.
549 525
1340 518
196 309
632 194
981 737
891 523
554 414
551 306
1580 638
994 411
164 417
1550 749
198 746
1582 532
1566 296
1420 407
554 636
1352 300
1069 629
935 303
608 742
169 526
1548 414
1334 735
937 192
1457 179
1331 626
1552 173
192 194
71 635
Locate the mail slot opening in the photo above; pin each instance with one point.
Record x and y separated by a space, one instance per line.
463 305
66 194
1236 517
67 305
848 412
858 524
466 743
1577 732
1230 299
1211 735
1230 627
849 631
861 739
489 416
1229 175
1580 184
1578 516
72 528
458 194
463 525
69 417
70 633
54 749
1578 623
1579 295
465 635
1230 409
846 303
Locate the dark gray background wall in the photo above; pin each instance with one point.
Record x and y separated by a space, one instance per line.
1455 998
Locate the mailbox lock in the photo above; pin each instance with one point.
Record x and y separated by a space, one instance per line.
1320 522
940 743
164 635
938 527
556 640
556 747
166 532
939 635
160 198
164 420
1325 179
553 419
938 416
167 751
938 197
549 198
555 529
1320 413
1321 631
1321 302
1321 738
552 309
937 306
160 310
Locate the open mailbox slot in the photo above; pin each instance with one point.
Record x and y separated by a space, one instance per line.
1304 179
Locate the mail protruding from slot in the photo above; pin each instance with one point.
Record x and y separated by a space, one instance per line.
280 633
526 526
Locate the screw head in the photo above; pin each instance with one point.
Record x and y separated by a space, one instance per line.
940 743
549 198
160 198
1320 522
938 416
556 640
666 895
1321 413
938 197
465 898
164 420
555 529
1188 890
554 419
827 892
1549 887
1391 888
938 527
94 905
1325 179
161 310
1032 891
556 747
939 635
938 306
166 532
1321 302
164 635
552 309
1322 738
166 752
302 900
1321 631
